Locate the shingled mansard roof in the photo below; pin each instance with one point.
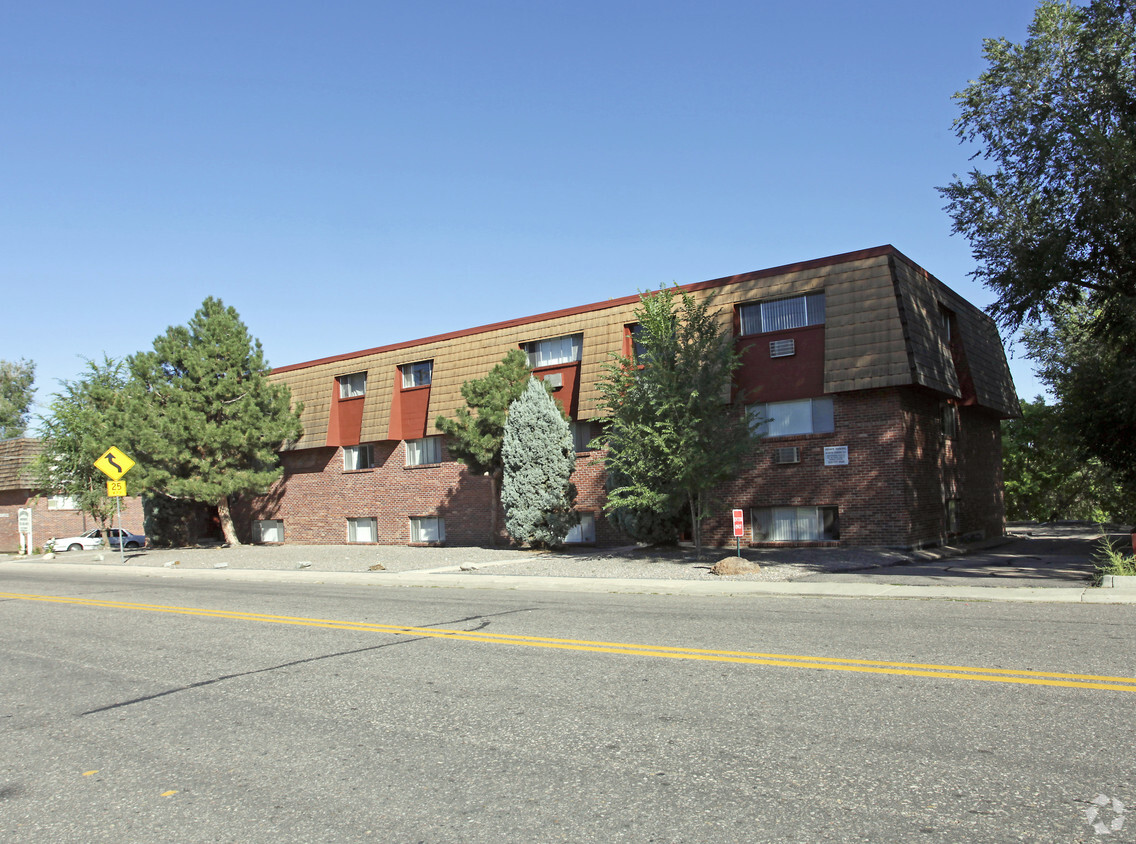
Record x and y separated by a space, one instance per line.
883 317
16 456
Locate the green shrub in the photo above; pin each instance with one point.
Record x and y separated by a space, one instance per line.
1110 559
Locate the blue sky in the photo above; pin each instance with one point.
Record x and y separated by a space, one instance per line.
351 174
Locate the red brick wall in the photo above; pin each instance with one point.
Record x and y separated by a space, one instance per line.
893 491
52 523
315 498
868 491
900 472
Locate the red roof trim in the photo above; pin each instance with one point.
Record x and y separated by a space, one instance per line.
862 254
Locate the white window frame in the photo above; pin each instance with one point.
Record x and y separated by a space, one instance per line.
274 527
427 529
353 385
583 533
369 526
795 524
358 457
418 374
555 351
424 452
781 314
792 418
62 502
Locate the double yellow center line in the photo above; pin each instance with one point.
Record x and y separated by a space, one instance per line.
820 663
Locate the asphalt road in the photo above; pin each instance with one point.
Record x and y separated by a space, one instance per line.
281 712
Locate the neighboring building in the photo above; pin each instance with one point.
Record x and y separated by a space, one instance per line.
885 390
52 515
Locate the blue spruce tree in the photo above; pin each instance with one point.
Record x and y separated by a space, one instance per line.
539 458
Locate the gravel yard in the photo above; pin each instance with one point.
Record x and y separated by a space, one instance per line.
630 562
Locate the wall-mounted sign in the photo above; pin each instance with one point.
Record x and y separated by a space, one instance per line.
836 455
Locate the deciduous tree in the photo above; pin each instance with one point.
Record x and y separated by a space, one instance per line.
1093 381
1048 474
1052 219
16 393
672 432
84 419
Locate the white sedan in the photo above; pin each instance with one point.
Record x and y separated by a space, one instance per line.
92 540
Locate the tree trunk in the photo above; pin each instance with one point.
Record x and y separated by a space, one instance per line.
226 517
695 524
494 504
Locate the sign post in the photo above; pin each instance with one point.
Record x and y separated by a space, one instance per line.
24 524
739 528
114 464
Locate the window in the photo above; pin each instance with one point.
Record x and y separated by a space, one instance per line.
556 351
417 374
357 457
582 434
784 418
351 386
268 530
950 420
427 529
782 314
947 320
62 502
362 529
795 524
585 531
424 452
636 349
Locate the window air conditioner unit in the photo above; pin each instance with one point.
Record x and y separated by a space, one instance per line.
791 454
782 348
554 380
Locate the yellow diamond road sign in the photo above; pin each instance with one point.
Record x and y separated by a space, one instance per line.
114 464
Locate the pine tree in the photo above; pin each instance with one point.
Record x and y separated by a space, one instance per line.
208 425
475 435
538 458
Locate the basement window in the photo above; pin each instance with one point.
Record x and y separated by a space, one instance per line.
268 530
362 529
427 529
795 524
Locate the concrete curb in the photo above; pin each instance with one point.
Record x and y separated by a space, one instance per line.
626 586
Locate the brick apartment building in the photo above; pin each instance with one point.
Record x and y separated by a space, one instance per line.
885 391
52 515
